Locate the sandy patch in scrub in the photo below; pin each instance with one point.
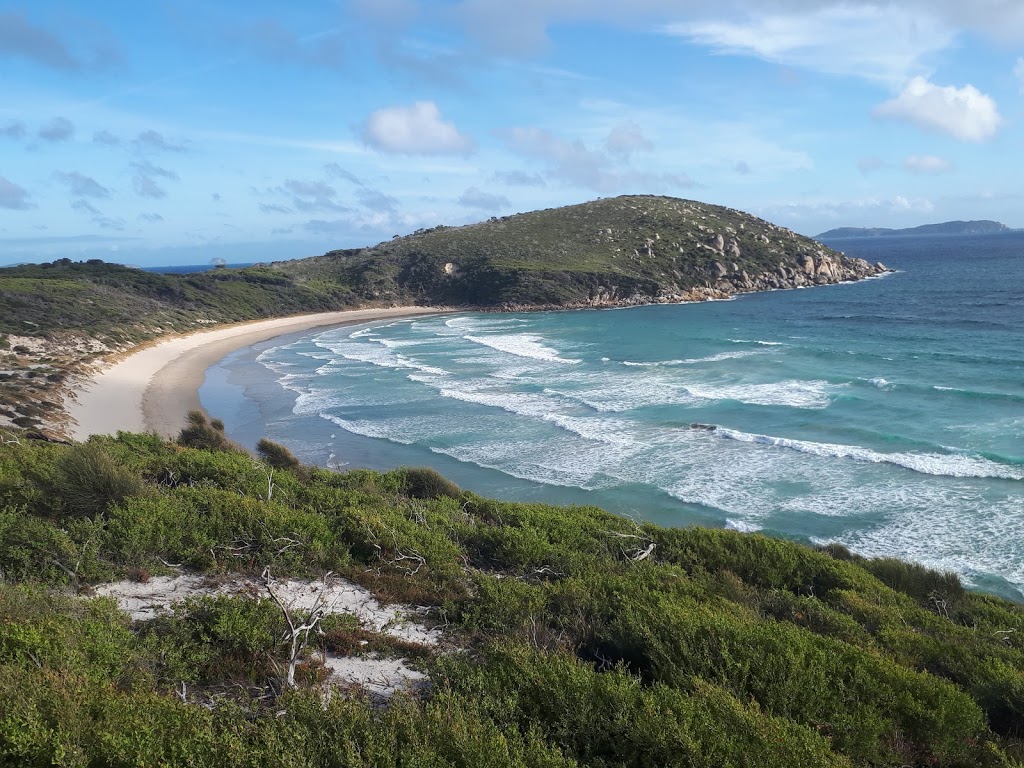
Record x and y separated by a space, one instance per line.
377 675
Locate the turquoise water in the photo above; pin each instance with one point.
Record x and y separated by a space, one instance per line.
887 415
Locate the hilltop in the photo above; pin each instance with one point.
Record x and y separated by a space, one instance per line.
981 227
608 252
56 318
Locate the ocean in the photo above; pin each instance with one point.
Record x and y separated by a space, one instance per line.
887 415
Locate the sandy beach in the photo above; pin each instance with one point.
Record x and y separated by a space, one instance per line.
153 388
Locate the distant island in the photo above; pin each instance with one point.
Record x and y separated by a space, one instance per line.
982 227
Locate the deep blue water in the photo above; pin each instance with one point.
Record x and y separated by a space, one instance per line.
887 415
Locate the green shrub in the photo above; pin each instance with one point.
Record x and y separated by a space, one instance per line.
276 455
942 592
202 434
612 719
89 481
427 483
212 639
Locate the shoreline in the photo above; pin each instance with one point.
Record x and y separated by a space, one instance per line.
152 388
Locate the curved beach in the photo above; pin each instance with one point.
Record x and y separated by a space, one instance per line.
153 388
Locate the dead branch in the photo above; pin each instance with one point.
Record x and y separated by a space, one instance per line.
639 555
645 544
399 556
298 632
268 472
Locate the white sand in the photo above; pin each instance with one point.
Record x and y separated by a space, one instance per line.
376 675
144 600
154 388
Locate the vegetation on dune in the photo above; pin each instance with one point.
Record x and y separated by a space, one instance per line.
589 639
64 316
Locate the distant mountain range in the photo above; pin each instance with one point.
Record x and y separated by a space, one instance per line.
983 227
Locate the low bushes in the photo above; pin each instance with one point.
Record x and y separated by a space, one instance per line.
590 640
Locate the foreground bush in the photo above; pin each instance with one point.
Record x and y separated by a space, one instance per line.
88 481
588 639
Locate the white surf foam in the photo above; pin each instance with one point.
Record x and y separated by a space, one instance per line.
527 345
379 356
976 538
519 403
757 341
400 343
618 394
794 394
943 465
716 358
464 324
365 428
652 363
741 525
603 430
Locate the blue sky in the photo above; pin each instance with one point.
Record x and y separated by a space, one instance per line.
180 132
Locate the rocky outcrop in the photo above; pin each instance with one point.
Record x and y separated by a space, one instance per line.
821 269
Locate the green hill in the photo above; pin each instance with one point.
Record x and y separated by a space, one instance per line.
982 227
609 252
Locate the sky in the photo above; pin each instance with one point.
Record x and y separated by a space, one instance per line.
181 132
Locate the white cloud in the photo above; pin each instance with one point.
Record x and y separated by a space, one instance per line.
572 162
145 180
901 203
59 129
627 138
1018 71
522 27
885 43
869 164
417 129
81 185
964 113
569 160
816 214
927 164
150 141
313 195
13 196
474 197
519 178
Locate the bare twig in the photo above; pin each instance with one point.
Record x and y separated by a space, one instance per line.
298 633
637 556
